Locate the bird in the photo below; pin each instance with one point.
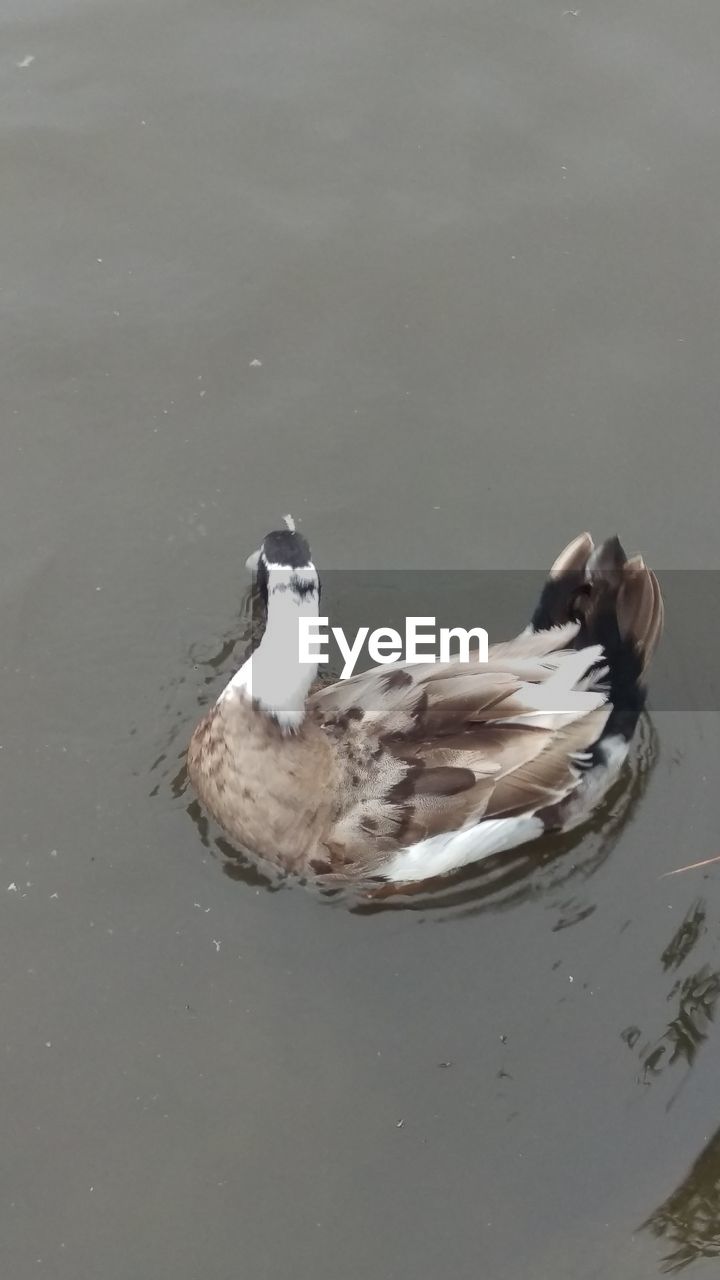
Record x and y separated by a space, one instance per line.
410 771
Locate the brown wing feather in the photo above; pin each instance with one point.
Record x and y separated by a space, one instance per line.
461 753
574 557
640 610
531 785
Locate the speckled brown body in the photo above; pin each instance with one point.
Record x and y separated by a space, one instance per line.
261 784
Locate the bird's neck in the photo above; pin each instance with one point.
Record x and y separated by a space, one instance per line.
274 677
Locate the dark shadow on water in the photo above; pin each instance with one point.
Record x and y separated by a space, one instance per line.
694 998
689 1220
697 996
686 937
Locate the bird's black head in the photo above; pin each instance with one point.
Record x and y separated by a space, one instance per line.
287 549
284 558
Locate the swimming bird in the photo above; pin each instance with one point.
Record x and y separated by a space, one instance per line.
410 771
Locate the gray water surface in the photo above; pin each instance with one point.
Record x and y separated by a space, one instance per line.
474 248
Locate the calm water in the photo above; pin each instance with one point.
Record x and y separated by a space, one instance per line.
474 248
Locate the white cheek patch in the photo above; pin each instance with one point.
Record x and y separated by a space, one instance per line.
253 561
282 577
300 570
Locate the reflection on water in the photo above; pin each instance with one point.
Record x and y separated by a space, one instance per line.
696 1000
496 884
689 1220
685 938
696 997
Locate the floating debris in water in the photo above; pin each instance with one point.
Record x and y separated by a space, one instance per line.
12 888
256 364
26 61
692 866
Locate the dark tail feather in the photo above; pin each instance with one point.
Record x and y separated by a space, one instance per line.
618 604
